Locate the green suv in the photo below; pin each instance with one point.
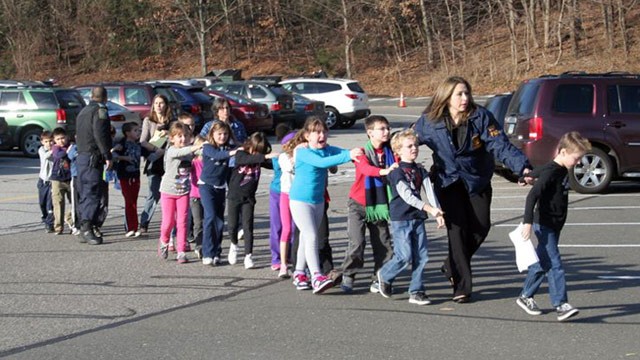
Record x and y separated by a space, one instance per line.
31 109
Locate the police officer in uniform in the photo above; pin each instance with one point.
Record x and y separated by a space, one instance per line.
464 139
93 139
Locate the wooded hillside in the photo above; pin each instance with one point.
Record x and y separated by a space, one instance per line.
389 45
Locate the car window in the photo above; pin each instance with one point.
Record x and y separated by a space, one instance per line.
235 89
136 96
355 87
325 87
257 92
278 90
167 92
200 96
179 96
113 94
69 99
44 100
624 99
573 98
12 100
524 99
86 94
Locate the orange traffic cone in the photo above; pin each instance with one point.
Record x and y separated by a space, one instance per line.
403 102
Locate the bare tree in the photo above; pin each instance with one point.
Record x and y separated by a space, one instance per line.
199 14
427 34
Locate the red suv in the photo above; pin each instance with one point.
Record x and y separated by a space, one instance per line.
604 108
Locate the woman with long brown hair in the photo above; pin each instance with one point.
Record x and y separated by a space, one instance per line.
464 138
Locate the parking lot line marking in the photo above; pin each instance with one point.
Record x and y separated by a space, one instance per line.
571 196
626 277
25 197
580 224
578 208
599 245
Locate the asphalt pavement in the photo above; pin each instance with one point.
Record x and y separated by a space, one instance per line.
60 299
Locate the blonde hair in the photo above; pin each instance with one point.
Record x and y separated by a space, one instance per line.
439 106
396 140
573 142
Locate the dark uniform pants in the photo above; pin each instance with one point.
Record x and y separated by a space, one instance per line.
90 190
468 221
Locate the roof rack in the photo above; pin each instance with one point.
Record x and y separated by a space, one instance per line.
574 73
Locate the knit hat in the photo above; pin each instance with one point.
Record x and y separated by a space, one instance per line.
287 137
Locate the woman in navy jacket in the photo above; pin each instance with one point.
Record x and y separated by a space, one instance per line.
464 139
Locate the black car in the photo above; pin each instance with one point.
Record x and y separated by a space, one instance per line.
193 100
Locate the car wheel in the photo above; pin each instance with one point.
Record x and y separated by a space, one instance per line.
333 117
30 142
593 173
348 123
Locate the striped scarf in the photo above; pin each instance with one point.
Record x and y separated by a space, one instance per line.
376 190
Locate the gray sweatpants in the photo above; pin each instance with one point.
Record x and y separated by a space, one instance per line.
307 218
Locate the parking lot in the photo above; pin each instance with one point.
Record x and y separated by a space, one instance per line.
63 300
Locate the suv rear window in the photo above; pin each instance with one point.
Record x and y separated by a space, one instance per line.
355 87
257 92
624 99
574 98
69 99
44 100
278 90
524 99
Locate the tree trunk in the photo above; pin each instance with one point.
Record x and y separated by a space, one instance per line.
573 25
451 31
622 23
427 34
347 39
545 23
462 30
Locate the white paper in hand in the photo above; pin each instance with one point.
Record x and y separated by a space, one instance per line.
525 252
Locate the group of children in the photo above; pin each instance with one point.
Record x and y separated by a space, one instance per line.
201 179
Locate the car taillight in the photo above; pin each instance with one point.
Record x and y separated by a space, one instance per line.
352 96
308 107
276 107
61 116
117 118
535 129
196 109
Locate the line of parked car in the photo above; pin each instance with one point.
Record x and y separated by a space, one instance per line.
29 107
604 108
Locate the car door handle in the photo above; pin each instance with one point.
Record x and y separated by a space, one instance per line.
617 124
19 116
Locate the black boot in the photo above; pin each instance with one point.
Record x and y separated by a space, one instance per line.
88 236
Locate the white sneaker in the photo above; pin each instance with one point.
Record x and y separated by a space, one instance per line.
207 261
240 233
248 262
233 254
216 260
130 233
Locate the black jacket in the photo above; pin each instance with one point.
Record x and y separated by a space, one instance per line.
93 133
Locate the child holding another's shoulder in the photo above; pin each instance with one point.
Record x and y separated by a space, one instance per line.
407 214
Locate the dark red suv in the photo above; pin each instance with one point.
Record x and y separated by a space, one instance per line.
605 108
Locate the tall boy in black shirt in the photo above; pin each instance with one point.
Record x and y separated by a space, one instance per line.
550 198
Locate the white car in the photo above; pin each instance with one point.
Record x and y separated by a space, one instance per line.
345 101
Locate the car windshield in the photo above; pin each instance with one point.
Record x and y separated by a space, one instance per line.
524 99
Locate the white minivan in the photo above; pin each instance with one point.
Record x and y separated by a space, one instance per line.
345 100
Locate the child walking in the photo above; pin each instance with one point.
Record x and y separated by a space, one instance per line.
60 182
368 204
174 190
213 186
44 182
243 185
275 225
195 204
286 162
408 213
307 198
546 211
127 155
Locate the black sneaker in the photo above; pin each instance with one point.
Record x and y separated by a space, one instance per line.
529 305
566 311
49 229
384 287
419 298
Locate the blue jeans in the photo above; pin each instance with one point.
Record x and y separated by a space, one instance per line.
213 201
409 245
550 264
153 197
